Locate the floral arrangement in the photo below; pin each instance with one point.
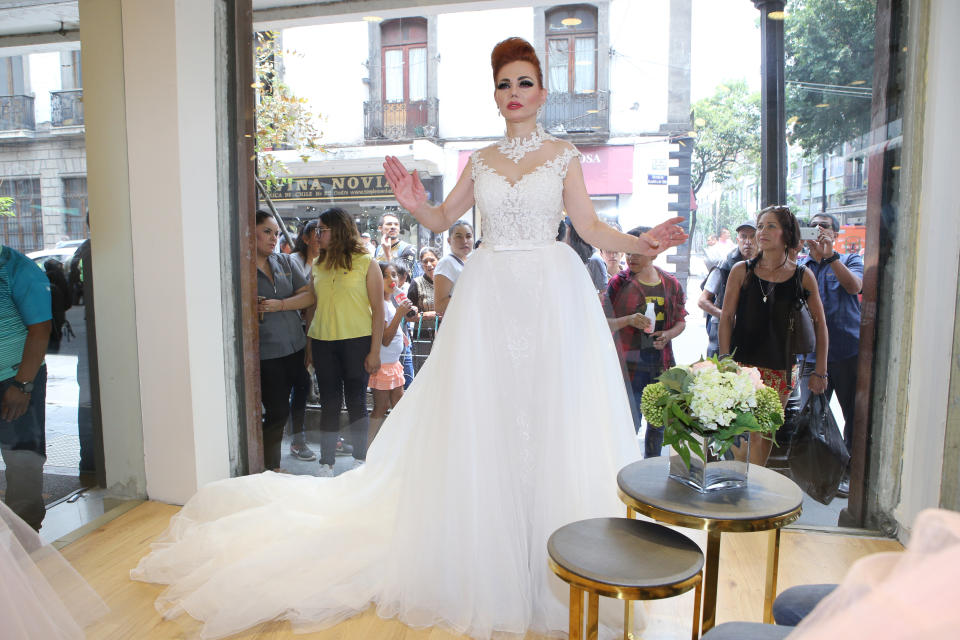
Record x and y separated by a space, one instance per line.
716 399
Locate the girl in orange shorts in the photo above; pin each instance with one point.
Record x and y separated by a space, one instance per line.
387 382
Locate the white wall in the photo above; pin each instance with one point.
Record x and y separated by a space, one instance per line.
639 33
110 224
44 78
936 274
464 78
328 70
150 113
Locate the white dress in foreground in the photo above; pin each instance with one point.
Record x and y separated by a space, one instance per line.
517 424
41 595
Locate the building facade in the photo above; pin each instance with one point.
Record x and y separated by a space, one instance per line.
42 150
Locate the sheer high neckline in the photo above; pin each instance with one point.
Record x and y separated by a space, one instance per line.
516 148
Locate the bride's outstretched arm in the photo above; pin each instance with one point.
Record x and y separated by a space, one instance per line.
577 202
411 195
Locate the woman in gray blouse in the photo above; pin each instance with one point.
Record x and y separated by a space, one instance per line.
282 290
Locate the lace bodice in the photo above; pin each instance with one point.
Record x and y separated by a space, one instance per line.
524 214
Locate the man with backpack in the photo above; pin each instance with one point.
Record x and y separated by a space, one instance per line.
715 285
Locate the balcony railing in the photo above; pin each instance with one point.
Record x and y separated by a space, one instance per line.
16 112
66 108
400 120
577 113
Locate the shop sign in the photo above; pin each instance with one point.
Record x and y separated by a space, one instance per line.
653 178
373 186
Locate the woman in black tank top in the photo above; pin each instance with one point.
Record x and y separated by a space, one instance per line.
756 308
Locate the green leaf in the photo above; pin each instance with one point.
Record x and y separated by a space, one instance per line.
746 420
674 379
680 414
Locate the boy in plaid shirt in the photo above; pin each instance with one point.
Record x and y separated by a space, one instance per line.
644 355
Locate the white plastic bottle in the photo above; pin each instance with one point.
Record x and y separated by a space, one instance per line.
651 314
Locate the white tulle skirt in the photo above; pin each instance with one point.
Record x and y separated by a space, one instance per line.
516 425
41 596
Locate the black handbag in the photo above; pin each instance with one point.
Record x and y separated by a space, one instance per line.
817 457
422 342
801 337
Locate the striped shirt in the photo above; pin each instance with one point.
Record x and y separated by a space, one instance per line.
24 300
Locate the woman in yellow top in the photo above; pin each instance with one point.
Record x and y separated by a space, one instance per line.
343 341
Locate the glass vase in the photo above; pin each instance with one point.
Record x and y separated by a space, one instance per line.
715 473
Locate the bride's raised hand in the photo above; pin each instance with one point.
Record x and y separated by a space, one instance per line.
406 185
663 236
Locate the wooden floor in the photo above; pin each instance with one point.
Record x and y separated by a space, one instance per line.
105 556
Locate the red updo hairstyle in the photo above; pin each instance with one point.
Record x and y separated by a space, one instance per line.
512 50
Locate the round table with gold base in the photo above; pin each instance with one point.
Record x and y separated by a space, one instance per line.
769 501
626 559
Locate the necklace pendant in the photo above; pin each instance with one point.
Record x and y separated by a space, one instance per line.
764 299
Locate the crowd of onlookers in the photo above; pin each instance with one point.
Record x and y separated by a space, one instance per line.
340 315
343 315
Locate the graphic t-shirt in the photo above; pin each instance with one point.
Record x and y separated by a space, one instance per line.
653 292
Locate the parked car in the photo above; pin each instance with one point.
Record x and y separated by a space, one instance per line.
60 254
69 243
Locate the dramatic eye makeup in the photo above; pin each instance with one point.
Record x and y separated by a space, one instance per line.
524 82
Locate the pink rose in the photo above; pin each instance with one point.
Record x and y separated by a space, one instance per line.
703 365
755 377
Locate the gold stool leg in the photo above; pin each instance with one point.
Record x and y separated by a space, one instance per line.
576 613
628 620
773 565
631 513
593 615
697 594
711 571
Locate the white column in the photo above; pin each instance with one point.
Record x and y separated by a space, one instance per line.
938 245
167 250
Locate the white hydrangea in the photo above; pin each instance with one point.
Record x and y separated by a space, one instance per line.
719 396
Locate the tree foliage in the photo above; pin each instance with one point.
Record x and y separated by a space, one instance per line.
284 121
828 42
6 205
728 133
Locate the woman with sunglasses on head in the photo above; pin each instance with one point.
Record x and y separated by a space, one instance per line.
759 297
346 327
517 424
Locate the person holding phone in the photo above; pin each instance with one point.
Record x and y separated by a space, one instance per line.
839 280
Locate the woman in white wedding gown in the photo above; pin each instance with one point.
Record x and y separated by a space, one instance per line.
516 425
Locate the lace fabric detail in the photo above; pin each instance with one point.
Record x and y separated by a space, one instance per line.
516 148
525 213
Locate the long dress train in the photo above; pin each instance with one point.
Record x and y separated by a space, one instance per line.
516 425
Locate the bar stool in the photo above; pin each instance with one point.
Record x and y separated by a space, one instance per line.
625 559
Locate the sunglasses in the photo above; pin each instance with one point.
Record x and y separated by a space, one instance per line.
822 225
